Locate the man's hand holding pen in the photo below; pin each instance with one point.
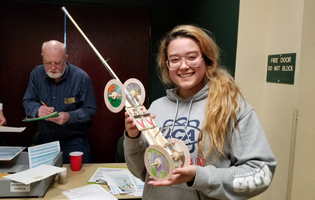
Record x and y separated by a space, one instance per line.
44 110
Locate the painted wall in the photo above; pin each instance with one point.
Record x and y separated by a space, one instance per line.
276 27
303 174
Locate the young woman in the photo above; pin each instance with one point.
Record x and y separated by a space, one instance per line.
230 155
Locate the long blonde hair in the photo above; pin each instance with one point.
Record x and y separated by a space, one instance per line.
223 101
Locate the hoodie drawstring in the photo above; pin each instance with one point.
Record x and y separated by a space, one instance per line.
175 117
189 111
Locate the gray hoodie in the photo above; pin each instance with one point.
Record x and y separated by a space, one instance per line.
245 171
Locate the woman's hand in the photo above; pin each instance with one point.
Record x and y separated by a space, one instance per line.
179 176
130 127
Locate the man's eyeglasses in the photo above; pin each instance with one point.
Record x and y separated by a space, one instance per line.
174 62
49 64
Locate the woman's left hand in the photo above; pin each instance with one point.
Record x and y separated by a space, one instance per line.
179 176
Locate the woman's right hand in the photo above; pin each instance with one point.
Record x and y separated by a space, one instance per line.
131 127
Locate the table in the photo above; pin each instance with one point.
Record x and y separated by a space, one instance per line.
75 180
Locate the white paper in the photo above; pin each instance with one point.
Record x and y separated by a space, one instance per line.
90 192
43 154
11 129
138 183
115 189
8 153
98 174
35 174
119 180
124 182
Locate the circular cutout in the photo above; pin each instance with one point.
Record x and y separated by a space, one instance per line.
158 163
114 96
136 89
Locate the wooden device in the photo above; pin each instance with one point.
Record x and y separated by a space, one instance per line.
163 155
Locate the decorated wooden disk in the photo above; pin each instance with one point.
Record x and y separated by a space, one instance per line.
136 89
180 146
158 163
114 96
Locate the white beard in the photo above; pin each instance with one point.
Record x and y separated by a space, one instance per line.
54 75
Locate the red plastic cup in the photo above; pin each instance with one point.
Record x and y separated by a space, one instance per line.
76 160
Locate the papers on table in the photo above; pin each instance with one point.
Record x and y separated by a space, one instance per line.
11 129
36 174
43 154
95 192
119 180
8 153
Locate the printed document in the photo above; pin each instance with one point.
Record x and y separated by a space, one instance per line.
8 153
95 192
43 154
35 174
119 180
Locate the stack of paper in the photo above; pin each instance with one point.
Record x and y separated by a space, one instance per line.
11 129
94 192
8 153
119 180
43 154
35 174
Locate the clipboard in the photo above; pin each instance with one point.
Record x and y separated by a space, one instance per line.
54 114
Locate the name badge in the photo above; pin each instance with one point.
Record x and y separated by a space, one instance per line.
69 100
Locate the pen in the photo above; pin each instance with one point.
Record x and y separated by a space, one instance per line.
43 103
